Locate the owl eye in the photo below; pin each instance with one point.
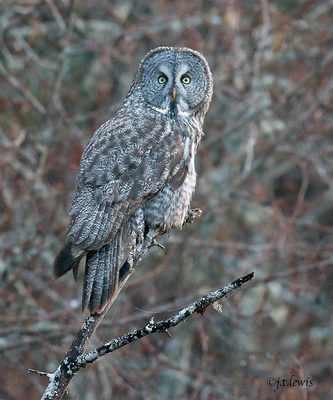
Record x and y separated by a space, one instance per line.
186 79
162 79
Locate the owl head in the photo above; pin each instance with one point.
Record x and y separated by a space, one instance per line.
175 81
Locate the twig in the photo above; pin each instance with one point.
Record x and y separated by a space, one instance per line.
56 14
25 92
302 191
75 359
63 56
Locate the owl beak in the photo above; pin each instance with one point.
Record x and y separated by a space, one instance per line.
174 93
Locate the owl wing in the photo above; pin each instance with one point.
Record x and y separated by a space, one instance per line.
121 167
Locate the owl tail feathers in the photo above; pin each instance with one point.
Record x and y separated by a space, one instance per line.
65 261
102 274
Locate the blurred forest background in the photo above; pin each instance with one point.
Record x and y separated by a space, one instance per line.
265 185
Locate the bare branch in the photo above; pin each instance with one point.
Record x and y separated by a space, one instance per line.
75 359
25 92
198 307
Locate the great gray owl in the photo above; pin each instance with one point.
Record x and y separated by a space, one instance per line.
137 173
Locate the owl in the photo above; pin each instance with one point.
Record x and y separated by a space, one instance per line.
137 175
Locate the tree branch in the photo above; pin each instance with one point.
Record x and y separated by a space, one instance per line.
75 359
198 307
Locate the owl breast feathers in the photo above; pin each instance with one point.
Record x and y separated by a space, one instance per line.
137 173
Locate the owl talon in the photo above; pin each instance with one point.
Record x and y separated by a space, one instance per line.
157 244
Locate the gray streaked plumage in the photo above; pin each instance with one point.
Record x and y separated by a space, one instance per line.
137 172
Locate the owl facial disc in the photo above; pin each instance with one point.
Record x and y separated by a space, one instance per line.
175 81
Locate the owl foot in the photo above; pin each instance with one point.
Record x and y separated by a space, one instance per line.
191 216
